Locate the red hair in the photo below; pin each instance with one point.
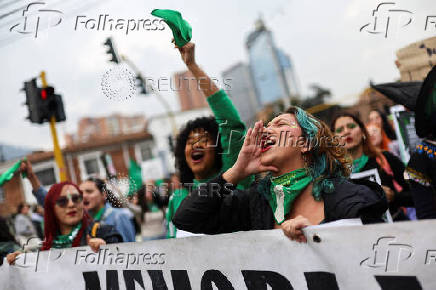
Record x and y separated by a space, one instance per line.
385 141
51 223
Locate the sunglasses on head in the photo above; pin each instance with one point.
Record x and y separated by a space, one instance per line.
63 200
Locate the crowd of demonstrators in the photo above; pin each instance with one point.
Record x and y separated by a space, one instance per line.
305 178
67 223
306 184
205 146
365 156
95 200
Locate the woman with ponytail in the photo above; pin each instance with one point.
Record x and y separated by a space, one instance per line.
67 224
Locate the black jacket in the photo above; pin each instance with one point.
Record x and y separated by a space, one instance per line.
105 232
401 198
212 211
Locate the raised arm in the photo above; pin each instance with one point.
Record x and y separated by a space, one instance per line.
231 127
38 191
206 85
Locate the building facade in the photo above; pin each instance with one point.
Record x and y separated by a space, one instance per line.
102 158
416 60
242 92
188 90
90 128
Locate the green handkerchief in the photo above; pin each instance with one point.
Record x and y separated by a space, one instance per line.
182 31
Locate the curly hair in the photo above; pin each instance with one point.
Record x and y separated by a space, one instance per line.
210 125
326 156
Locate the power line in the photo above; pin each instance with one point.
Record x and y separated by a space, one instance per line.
11 12
15 37
9 3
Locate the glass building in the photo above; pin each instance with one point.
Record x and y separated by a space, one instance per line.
271 69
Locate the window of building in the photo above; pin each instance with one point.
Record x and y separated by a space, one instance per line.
91 166
2 195
145 150
46 176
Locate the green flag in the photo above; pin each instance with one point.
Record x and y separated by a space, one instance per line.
9 173
135 177
181 29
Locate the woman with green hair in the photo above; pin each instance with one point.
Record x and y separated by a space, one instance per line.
306 183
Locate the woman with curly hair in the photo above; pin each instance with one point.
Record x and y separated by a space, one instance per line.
205 146
306 183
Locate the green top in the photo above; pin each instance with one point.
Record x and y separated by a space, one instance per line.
97 216
232 132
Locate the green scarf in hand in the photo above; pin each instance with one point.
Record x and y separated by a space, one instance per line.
284 190
181 29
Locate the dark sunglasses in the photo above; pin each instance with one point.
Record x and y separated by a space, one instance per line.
63 200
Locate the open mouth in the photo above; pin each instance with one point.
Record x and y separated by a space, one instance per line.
197 156
86 202
348 139
72 213
267 143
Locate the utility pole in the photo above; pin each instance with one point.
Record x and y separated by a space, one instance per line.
56 148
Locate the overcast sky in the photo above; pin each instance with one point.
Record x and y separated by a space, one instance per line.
321 37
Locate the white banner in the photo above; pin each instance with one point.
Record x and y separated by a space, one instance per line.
384 256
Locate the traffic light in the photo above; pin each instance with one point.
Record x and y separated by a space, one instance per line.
43 103
32 101
141 84
111 50
51 105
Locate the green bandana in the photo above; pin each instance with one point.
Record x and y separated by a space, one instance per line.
66 241
97 216
359 163
284 189
181 29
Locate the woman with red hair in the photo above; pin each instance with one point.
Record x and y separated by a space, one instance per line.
67 224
